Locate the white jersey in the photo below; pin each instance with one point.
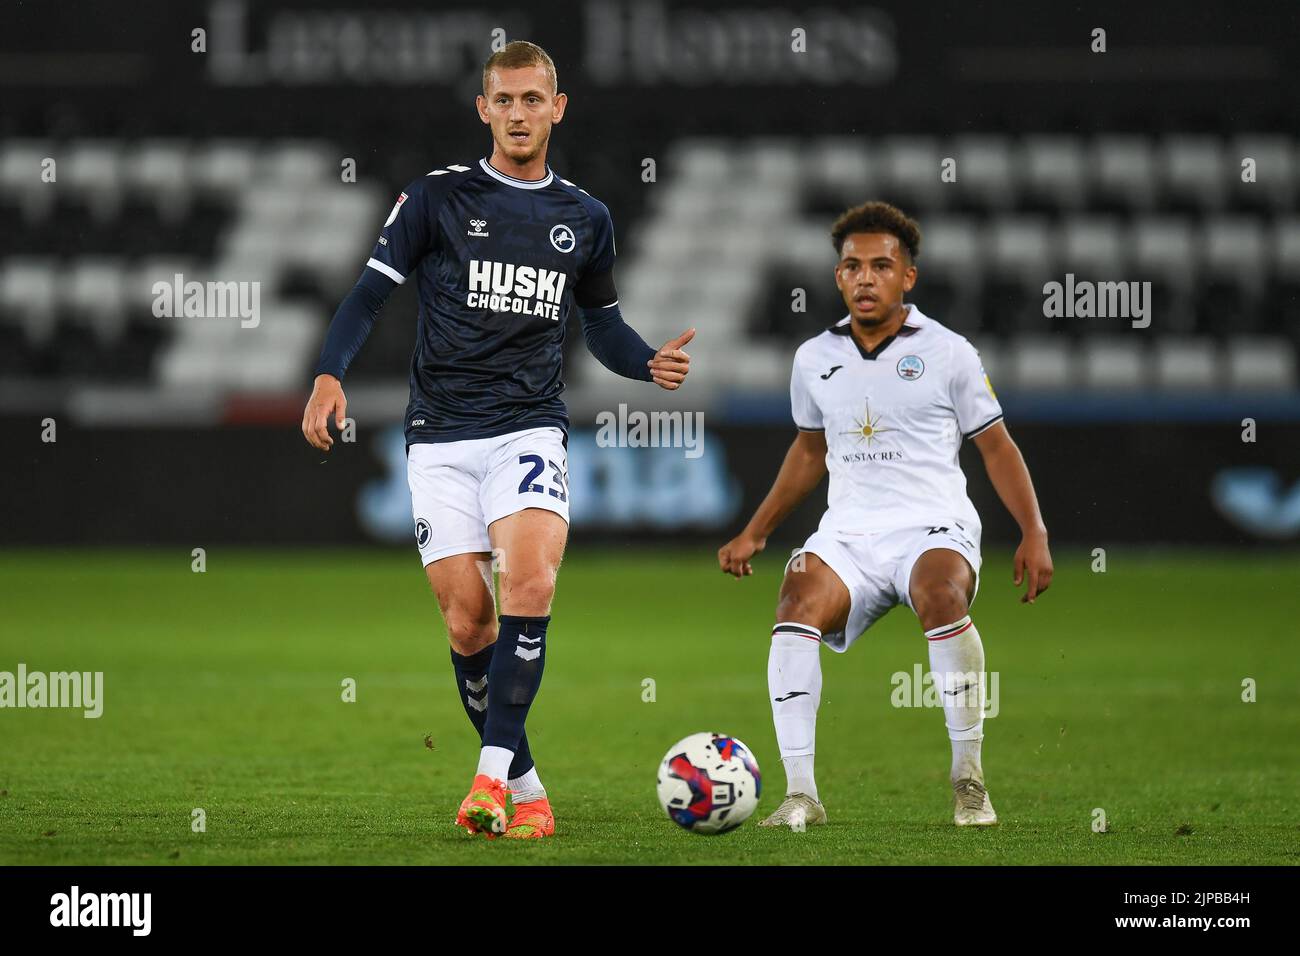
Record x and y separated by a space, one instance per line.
894 420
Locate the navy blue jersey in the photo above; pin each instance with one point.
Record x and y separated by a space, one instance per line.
498 263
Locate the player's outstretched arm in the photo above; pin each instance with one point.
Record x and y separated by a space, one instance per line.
621 350
1006 469
348 331
802 470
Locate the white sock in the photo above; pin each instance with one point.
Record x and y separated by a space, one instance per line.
957 663
527 788
799 775
794 683
966 760
494 762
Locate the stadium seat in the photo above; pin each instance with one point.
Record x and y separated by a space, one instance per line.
909 167
951 247
94 290
1164 248
1092 248
1235 248
1038 362
985 172
93 171
1285 243
1186 364
224 167
1024 247
1124 174
1261 364
28 292
304 163
1110 363
1194 172
160 171
21 176
843 164
1055 172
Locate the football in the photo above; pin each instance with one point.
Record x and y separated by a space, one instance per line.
709 783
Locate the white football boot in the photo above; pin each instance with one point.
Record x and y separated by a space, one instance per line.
971 804
798 811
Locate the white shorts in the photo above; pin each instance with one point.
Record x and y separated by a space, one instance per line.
458 488
876 567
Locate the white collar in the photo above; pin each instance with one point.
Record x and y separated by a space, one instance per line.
517 183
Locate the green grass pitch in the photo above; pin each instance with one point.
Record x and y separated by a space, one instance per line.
1119 690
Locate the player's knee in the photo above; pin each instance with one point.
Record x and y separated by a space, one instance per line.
939 602
528 594
798 607
468 633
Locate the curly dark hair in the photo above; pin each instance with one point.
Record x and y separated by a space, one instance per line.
878 217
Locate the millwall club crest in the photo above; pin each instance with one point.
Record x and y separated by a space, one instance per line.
562 239
910 367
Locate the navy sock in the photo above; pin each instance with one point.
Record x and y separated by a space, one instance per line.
516 674
472 682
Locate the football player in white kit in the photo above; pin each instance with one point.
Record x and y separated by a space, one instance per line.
883 400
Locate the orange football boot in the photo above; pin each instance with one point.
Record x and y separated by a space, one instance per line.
532 820
484 810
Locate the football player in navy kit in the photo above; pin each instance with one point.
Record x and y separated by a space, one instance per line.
501 250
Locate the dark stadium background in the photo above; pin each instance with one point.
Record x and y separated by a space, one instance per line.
1123 165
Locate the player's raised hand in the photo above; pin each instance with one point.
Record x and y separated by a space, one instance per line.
327 399
1033 561
734 556
669 366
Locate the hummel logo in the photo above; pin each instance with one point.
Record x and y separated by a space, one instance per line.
793 693
476 687
960 690
834 369
476 228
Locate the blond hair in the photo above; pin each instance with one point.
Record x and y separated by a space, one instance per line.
516 54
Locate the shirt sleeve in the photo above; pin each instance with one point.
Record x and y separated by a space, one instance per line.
616 344
971 392
352 323
407 236
807 416
595 287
